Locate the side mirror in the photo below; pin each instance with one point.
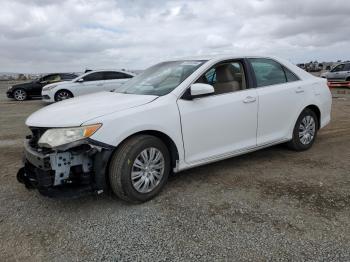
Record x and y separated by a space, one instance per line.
80 80
199 90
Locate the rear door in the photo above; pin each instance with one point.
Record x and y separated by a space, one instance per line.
114 80
346 72
281 95
93 82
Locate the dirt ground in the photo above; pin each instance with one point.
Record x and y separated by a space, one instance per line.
273 204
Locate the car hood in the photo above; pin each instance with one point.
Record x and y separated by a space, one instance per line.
75 111
23 85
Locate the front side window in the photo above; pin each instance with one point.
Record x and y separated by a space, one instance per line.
225 77
93 76
338 68
160 79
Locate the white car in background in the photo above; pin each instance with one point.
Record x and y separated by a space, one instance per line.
90 82
174 116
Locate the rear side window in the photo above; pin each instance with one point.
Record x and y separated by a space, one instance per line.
126 75
109 75
94 76
291 77
347 67
338 68
267 72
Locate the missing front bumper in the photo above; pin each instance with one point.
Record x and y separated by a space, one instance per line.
72 173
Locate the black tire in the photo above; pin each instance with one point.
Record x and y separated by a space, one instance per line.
20 94
296 143
122 163
60 94
347 79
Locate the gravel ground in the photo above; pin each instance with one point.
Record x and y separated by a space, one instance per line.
273 204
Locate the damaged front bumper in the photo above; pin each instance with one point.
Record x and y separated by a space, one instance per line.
72 172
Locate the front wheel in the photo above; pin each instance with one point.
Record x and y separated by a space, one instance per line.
305 131
139 168
63 95
20 94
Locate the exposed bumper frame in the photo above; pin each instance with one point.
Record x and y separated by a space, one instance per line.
52 173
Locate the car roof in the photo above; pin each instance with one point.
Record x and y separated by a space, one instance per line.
50 74
108 70
222 57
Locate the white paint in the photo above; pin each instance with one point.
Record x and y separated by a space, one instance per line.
205 129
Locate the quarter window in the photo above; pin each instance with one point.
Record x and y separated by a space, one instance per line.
109 75
267 72
291 77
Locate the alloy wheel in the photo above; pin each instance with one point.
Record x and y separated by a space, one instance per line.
307 129
63 95
147 170
20 95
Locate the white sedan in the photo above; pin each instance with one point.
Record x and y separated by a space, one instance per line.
174 116
90 82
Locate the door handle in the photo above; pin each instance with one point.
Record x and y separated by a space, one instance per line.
299 90
99 85
249 99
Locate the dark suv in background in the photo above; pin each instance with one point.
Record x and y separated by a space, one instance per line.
24 91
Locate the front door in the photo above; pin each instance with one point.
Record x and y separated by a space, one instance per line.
222 123
92 83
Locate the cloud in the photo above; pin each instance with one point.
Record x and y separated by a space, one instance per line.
69 35
216 41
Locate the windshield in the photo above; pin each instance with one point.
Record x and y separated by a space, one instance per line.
160 79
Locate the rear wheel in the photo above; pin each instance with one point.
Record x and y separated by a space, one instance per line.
139 168
63 95
305 131
347 79
20 94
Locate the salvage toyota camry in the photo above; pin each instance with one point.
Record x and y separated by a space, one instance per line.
174 116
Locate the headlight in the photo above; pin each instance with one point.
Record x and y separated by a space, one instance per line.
49 87
60 136
10 87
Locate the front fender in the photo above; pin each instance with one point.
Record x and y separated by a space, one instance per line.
160 115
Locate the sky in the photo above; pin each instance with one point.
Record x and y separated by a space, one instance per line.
71 35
